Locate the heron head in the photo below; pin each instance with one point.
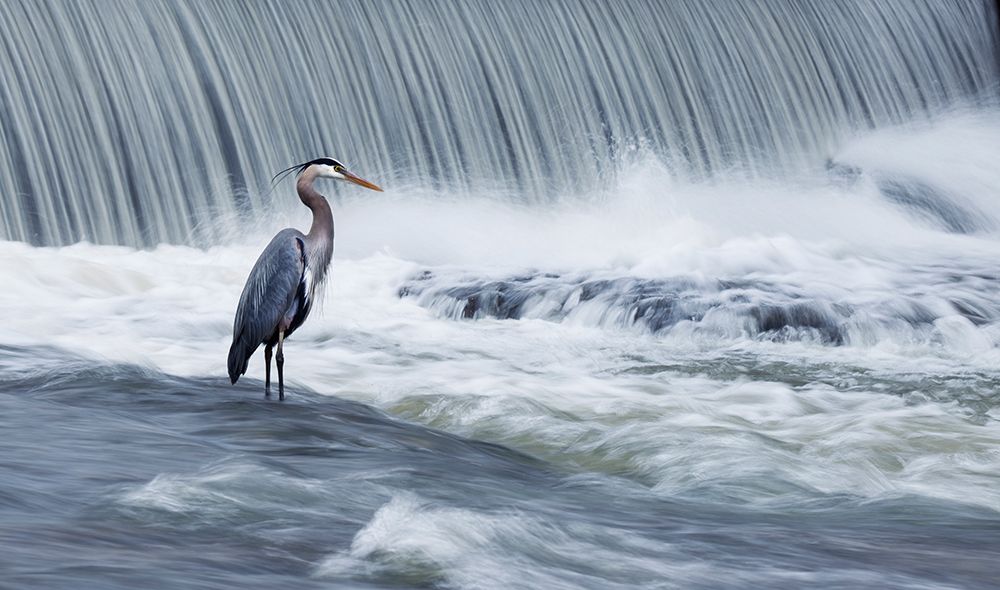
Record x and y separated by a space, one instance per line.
330 168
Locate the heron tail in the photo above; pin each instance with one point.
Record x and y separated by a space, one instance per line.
238 360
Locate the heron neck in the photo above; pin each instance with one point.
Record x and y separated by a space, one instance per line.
319 240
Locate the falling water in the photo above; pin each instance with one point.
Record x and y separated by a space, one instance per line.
140 122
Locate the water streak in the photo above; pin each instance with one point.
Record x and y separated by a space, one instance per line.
137 123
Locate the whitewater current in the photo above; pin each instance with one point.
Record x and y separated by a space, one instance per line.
781 383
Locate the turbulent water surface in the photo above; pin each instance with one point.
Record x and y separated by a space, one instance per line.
684 369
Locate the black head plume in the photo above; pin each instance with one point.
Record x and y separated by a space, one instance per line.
298 168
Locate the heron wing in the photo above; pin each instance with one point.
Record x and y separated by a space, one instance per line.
267 296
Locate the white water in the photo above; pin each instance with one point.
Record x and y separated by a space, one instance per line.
703 409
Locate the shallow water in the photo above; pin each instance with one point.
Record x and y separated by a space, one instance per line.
119 475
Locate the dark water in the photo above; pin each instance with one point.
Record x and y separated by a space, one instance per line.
116 476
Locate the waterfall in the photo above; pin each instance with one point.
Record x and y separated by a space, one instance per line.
137 122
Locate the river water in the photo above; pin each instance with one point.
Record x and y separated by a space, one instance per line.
726 372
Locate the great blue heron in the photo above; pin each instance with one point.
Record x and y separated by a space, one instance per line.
280 289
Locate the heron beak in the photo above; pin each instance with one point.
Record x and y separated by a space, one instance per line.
360 181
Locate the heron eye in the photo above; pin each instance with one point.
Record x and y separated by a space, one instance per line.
338 168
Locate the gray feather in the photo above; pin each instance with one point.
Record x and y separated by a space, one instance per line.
267 296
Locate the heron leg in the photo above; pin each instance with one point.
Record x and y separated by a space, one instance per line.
267 370
280 357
